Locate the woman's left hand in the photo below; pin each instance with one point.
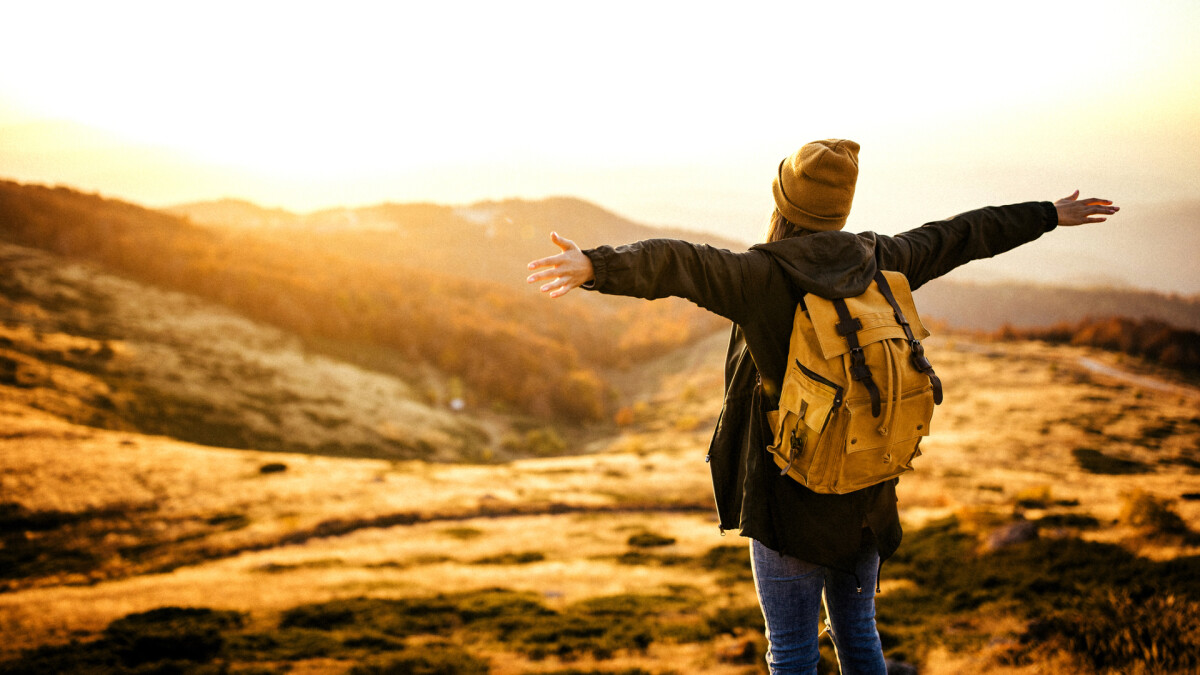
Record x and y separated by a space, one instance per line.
567 270
1075 211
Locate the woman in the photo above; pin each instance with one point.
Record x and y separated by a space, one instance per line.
805 547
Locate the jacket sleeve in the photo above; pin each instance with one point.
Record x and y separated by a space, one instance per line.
929 251
715 279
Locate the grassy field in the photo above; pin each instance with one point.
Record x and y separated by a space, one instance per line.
1051 527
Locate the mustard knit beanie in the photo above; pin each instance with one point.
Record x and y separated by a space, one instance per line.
815 186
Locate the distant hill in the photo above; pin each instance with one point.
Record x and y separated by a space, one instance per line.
235 212
96 349
497 237
425 292
1145 246
514 231
989 306
443 287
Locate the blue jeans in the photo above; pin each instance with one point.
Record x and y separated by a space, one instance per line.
790 592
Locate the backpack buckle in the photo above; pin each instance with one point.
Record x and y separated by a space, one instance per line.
797 446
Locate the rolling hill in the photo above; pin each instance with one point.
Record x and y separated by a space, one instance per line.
515 231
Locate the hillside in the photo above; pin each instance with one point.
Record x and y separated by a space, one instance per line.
515 232
497 238
354 293
1054 509
107 352
990 306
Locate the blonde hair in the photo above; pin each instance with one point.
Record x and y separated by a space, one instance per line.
780 228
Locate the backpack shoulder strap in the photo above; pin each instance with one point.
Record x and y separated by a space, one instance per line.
919 360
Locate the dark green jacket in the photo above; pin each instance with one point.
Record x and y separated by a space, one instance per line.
758 290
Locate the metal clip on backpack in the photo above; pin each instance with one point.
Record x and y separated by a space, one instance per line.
859 391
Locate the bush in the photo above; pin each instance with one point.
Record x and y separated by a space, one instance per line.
429 659
536 443
407 616
650 540
1116 630
1094 461
1144 510
175 633
733 562
522 558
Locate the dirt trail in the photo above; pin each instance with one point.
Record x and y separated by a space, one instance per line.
1146 381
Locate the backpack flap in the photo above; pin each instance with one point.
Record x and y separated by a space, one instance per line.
872 310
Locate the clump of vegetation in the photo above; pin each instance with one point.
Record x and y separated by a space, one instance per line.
733 562
579 671
406 616
1159 633
1067 579
650 540
171 633
164 640
1151 339
511 558
463 533
535 443
428 659
1154 516
1034 498
1075 521
1094 461
640 557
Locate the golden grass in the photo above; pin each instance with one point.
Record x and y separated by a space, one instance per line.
1005 434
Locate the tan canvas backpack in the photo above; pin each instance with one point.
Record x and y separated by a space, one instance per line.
859 392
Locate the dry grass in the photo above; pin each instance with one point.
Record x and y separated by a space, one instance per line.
1002 444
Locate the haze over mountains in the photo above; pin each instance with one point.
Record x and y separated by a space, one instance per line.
984 295
432 294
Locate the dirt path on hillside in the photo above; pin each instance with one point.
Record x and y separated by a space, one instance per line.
1149 382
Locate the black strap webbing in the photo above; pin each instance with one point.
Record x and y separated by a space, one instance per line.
920 361
848 328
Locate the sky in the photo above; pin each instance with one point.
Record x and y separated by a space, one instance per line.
668 113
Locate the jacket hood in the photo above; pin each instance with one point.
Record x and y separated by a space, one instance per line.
834 264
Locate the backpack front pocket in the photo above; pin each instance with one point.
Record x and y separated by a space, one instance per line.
805 405
874 453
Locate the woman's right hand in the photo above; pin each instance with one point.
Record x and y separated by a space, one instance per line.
565 271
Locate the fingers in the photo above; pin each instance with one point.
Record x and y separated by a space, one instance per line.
562 272
1071 197
562 242
558 285
550 273
551 261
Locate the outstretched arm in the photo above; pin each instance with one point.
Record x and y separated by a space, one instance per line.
1075 211
565 271
718 280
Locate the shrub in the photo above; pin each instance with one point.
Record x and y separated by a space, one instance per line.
733 562
522 558
650 540
175 633
402 617
535 442
1144 510
1094 461
1117 629
428 659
